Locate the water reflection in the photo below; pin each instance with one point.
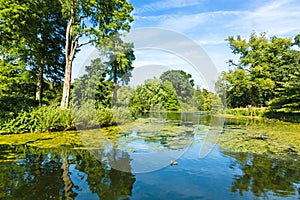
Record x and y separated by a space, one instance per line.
31 173
265 176
88 171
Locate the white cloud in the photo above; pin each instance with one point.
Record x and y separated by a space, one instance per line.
279 17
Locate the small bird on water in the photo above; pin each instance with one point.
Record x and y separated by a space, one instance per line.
173 162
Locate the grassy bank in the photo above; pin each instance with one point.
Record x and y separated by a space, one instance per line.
54 118
264 112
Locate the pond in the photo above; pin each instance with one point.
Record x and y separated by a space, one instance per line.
217 158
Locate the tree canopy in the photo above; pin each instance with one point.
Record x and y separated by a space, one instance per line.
182 83
266 73
96 21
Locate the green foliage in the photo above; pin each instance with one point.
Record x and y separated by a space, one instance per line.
124 95
284 116
98 22
105 116
15 80
251 111
121 115
32 38
266 74
203 100
44 118
182 83
12 105
112 116
121 56
53 118
153 96
287 94
93 86
172 102
149 96
85 114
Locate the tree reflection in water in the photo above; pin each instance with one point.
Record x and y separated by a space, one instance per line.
262 175
32 173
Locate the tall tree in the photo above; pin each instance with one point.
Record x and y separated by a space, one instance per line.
32 32
93 86
120 63
287 92
263 61
94 21
182 83
46 46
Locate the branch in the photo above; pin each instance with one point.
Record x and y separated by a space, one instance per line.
82 17
89 42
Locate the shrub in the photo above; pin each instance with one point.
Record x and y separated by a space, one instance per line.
85 115
121 115
104 116
110 116
44 118
53 118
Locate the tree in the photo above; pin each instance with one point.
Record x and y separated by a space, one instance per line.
149 96
264 64
287 94
182 83
93 86
93 20
120 63
32 34
154 96
171 102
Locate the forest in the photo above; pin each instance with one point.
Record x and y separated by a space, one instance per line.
38 44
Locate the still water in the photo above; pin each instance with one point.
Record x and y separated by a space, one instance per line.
133 162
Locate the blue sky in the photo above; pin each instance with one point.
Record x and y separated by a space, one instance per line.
210 22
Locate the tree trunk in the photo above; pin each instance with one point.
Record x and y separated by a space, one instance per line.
39 84
70 48
67 85
115 87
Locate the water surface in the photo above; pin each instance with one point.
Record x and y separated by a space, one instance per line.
132 161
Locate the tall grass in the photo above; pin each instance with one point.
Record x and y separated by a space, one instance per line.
252 111
265 112
54 118
40 119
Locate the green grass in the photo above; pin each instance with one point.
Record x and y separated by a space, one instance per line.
252 111
264 112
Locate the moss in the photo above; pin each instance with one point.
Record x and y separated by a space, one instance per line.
262 137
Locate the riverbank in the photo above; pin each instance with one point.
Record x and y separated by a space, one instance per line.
54 118
263 112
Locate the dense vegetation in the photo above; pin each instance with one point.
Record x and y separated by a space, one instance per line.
266 74
39 41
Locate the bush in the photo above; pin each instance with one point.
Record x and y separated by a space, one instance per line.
86 115
111 116
121 115
11 106
41 119
53 118
104 116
